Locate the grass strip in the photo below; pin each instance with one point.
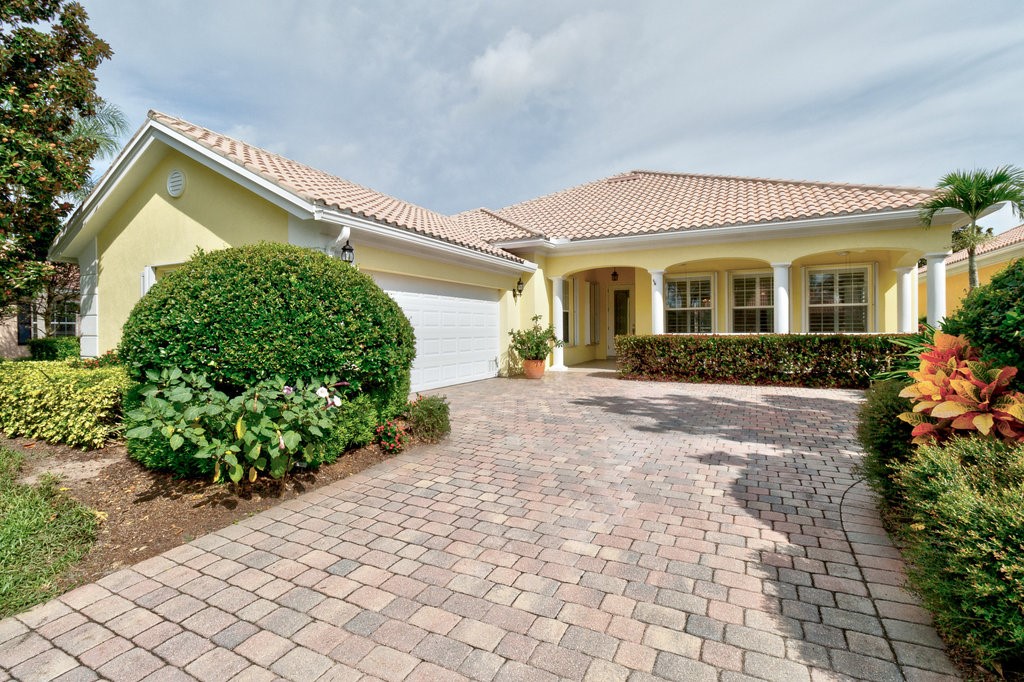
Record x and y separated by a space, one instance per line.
42 533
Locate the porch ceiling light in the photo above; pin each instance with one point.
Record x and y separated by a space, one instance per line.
615 275
518 290
348 254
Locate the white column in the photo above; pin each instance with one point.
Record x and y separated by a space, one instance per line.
915 291
936 287
781 273
904 300
557 287
658 301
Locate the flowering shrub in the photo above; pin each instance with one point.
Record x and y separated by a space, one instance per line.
392 437
954 391
264 431
243 315
108 359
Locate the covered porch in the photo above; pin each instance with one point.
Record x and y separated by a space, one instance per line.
843 291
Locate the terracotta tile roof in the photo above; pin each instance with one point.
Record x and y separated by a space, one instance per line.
328 190
647 202
492 227
1000 241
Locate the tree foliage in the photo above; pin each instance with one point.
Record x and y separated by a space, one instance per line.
972 193
48 58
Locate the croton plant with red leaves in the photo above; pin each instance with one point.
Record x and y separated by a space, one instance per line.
955 392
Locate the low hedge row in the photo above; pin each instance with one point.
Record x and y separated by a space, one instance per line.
54 348
60 402
814 360
964 503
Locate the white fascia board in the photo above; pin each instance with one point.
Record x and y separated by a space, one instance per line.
416 244
1007 253
254 182
733 233
124 162
150 133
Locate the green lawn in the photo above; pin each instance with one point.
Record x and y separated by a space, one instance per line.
42 532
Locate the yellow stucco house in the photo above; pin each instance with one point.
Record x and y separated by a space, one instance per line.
990 257
641 252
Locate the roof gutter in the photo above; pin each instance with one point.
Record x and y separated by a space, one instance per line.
731 233
415 243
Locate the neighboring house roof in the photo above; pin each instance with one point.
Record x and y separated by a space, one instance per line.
1000 241
647 202
328 190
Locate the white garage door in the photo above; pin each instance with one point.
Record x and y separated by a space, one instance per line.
457 328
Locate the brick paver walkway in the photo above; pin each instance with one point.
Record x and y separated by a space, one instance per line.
580 527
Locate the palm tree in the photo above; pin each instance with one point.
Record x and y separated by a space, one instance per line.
107 126
972 193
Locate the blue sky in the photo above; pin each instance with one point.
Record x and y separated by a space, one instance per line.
460 104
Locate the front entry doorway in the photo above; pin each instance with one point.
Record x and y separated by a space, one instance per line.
620 314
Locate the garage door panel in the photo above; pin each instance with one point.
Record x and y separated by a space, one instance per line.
457 329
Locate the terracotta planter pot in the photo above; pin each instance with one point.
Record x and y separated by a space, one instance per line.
534 369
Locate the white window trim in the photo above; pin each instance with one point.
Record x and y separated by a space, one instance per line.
872 283
730 322
679 277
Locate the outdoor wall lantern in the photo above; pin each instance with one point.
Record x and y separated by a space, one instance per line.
348 254
615 275
518 291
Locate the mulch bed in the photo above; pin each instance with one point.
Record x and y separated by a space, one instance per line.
145 513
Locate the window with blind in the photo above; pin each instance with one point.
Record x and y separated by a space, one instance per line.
753 309
688 305
838 300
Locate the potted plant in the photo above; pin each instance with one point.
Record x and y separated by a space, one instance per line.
533 345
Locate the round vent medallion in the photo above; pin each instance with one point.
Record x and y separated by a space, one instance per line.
175 183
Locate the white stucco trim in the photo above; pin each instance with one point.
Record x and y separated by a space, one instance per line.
884 220
89 303
82 224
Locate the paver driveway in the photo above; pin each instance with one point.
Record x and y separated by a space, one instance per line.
579 527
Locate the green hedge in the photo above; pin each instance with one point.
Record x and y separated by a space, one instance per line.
965 543
59 402
816 360
886 438
54 348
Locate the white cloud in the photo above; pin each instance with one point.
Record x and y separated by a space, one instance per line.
454 104
521 66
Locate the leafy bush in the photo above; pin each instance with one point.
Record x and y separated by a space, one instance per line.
244 315
817 360
54 348
966 542
392 437
992 317
534 343
953 391
61 403
42 532
182 423
886 439
428 417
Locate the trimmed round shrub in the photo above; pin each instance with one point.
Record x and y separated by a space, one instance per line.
885 437
992 317
246 314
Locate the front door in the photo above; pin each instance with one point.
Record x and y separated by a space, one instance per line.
620 315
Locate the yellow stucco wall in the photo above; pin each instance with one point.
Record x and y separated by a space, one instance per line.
882 251
151 229
957 283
